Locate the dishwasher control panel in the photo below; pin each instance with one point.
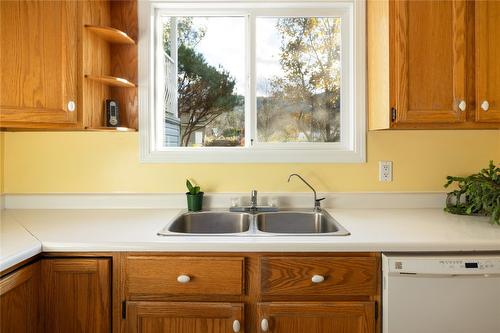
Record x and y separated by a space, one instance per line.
445 265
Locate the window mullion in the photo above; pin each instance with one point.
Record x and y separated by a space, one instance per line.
251 112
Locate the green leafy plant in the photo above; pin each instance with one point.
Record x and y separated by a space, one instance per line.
192 189
477 194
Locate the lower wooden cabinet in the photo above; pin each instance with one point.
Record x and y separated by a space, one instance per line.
179 293
184 317
19 300
76 295
316 317
251 292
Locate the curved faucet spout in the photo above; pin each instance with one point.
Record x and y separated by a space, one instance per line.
317 202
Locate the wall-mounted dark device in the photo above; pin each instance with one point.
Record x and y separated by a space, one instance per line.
112 113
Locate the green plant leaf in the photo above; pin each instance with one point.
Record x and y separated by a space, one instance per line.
189 186
481 192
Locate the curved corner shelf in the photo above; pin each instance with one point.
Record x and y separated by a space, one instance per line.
112 129
111 35
111 81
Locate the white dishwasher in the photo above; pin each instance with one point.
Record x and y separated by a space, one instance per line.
441 293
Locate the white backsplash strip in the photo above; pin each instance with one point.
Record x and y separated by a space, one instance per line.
223 200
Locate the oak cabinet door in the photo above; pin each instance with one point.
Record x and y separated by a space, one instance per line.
76 295
38 62
429 58
317 317
184 317
19 296
488 60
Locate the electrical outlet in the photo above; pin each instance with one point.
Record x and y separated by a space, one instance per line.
385 171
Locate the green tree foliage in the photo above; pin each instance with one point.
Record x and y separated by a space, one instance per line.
310 59
205 92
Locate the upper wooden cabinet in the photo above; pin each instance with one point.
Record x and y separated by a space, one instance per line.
488 60
421 63
61 60
38 62
429 61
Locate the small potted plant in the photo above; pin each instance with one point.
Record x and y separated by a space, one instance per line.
194 197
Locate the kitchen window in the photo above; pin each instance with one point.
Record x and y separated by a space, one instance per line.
252 82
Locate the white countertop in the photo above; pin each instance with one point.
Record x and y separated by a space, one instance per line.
16 243
372 230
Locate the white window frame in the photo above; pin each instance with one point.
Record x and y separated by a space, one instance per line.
351 149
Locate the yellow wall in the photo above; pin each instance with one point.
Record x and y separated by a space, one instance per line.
48 162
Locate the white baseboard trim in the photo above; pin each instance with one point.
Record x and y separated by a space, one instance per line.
221 200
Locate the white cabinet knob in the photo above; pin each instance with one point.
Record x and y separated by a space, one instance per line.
485 105
183 278
462 105
236 326
264 325
71 106
317 278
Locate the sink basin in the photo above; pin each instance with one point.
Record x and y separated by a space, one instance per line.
209 222
310 223
282 223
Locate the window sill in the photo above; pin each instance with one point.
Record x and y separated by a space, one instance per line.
249 155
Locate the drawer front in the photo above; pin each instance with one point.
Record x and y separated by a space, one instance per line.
153 275
332 276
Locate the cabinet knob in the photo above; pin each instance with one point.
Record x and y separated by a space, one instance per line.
236 326
317 278
264 325
462 105
485 105
183 278
71 106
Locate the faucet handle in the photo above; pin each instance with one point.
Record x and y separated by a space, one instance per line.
317 204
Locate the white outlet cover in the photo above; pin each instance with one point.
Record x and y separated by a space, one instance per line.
385 171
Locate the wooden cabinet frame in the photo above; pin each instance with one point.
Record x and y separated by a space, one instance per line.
487 17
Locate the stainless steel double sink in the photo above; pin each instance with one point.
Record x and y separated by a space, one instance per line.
281 223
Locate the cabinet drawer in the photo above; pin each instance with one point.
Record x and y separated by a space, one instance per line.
333 275
153 275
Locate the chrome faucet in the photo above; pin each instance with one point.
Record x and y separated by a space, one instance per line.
253 200
253 208
317 202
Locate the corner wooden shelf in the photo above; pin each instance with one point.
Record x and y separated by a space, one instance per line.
111 35
111 81
112 129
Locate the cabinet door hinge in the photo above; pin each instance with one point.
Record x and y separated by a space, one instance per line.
393 114
124 309
376 310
